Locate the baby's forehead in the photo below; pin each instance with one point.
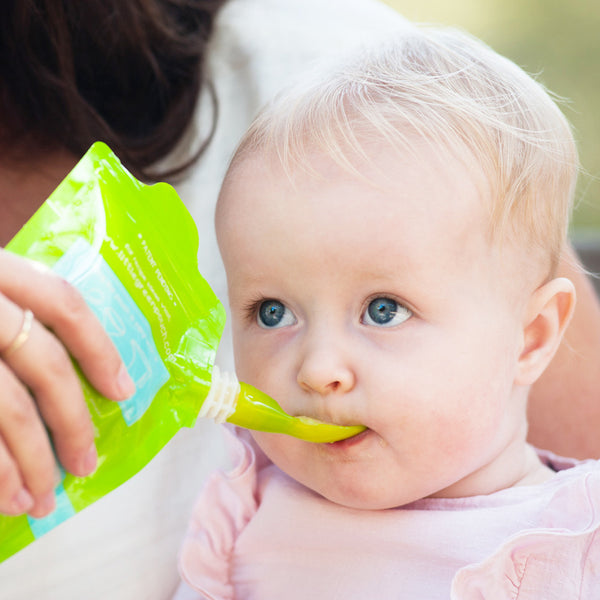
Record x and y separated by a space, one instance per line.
458 184
367 159
377 179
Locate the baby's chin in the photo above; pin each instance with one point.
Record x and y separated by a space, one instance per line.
359 495
360 502
350 482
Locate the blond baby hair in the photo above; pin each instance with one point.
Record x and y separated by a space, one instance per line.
450 90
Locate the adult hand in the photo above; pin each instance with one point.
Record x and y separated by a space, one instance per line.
43 319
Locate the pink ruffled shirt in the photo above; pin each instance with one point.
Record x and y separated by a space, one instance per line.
257 534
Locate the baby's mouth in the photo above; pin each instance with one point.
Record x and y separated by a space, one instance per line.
315 430
351 441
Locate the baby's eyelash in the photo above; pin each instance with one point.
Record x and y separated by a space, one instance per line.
250 309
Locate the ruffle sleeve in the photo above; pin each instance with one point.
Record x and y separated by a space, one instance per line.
224 508
557 561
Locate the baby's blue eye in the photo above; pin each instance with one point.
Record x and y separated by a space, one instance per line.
272 313
385 312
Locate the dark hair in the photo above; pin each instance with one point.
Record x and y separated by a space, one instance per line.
127 72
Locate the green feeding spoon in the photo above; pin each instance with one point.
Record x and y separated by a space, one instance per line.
244 405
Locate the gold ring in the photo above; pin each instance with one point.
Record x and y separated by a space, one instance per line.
22 336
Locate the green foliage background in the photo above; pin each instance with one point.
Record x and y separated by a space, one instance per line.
559 41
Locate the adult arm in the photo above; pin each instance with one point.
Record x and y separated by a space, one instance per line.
38 381
564 406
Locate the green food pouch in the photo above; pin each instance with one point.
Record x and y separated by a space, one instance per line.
131 251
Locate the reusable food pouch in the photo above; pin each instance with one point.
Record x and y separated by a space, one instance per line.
131 250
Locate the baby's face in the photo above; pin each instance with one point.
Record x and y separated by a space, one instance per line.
378 305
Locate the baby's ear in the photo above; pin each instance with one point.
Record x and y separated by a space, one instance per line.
549 312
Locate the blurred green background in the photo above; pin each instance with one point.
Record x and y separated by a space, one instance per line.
559 40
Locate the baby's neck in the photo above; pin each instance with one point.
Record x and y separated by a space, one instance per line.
530 470
534 471
519 465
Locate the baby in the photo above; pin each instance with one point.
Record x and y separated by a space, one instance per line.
391 231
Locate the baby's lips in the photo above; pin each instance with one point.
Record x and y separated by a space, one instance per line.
314 430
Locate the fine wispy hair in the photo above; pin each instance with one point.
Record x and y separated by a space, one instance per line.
449 89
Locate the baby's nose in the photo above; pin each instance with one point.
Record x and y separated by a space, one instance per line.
325 368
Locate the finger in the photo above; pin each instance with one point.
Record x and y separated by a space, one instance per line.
12 326
44 366
27 464
62 308
14 497
72 320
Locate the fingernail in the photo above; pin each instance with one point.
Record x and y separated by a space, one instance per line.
22 501
90 461
47 502
125 383
45 505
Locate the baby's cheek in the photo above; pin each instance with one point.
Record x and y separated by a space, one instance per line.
286 452
270 444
